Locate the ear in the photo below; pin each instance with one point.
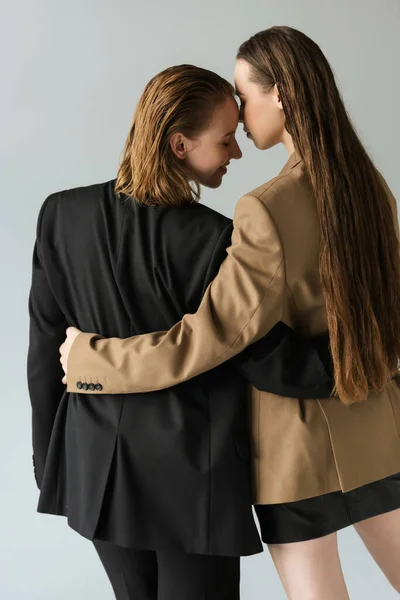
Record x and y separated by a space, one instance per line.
277 97
179 145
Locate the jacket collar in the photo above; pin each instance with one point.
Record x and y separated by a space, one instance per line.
294 159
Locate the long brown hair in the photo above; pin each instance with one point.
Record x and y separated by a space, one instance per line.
359 253
179 99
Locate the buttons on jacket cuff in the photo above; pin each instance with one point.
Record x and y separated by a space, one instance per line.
89 386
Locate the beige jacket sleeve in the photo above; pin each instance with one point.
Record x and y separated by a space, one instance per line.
240 306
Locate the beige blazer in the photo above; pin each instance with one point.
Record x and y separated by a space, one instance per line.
299 449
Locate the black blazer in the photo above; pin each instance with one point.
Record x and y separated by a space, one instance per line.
167 470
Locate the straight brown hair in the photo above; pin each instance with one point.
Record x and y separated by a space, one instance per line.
359 253
179 99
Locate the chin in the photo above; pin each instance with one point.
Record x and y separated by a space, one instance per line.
265 144
213 185
216 185
259 145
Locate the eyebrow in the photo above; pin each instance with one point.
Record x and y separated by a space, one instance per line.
238 93
230 133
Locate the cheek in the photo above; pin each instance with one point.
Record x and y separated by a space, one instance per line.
215 157
199 161
207 162
259 114
252 112
268 124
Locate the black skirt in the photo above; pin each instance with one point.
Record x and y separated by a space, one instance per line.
315 517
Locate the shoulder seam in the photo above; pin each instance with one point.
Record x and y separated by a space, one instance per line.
276 230
41 215
269 184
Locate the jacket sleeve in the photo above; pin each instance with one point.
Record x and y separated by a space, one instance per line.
282 362
46 334
240 306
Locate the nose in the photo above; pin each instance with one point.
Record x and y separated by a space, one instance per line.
236 152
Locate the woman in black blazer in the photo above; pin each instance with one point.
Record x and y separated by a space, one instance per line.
160 484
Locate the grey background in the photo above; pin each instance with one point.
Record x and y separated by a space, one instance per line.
71 75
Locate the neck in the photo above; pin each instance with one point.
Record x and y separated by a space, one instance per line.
288 142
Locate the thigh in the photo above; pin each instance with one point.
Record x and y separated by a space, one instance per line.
198 577
381 536
132 573
310 570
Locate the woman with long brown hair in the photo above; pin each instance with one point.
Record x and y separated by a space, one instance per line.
318 248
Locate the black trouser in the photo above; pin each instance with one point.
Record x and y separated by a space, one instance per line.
154 575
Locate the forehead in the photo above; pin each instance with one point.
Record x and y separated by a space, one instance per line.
225 117
242 75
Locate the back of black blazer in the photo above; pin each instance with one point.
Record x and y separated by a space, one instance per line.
167 470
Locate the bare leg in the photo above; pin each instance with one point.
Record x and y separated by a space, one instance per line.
310 570
381 536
